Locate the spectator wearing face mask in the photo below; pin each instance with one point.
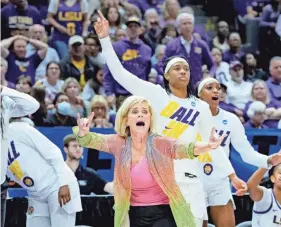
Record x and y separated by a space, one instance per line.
256 113
238 90
54 118
76 104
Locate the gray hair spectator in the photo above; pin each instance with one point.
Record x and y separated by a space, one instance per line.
274 82
38 32
256 113
195 51
273 110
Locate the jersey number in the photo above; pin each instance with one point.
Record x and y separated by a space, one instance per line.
71 28
221 132
14 166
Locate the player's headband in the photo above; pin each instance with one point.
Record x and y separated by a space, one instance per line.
204 82
173 61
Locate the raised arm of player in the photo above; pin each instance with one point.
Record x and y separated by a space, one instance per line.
247 152
18 104
255 191
128 80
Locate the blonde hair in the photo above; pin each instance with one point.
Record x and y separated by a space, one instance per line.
99 99
255 83
68 81
122 114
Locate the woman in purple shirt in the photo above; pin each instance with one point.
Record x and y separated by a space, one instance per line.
273 110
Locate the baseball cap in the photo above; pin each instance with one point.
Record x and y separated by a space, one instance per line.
133 20
235 63
75 39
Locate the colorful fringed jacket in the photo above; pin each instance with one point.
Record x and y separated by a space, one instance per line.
160 153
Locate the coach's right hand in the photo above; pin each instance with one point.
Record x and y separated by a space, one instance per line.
64 195
84 124
101 26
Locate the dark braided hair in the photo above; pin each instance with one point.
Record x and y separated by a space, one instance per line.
190 91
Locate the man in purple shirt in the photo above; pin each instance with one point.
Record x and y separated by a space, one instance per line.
235 52
18 64
16 18
194 50
274 82
135 57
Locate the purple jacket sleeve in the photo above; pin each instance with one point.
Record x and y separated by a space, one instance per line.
264 18
207 58
108 83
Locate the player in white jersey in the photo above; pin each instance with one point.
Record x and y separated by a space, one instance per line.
180 115
218 194
267 206
37 165
13 104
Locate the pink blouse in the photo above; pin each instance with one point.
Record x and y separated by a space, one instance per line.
145 190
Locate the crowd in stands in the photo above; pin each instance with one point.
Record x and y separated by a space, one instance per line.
49 50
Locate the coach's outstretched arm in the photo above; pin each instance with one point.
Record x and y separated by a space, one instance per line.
19 104
128 80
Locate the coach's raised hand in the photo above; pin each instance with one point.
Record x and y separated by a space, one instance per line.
84 124
101 26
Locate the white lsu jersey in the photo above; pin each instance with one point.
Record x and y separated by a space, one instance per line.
267 211
229 124
13 104
35 162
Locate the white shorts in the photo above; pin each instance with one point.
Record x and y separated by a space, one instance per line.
194 195
220 194
49 207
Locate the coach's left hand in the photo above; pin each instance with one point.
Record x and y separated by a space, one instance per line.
64 195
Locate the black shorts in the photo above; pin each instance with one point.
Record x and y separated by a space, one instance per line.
151 216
